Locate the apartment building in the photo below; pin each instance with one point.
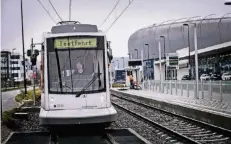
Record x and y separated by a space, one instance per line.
12 68
5 65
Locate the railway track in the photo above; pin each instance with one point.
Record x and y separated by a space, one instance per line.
89 136
106 138
181 128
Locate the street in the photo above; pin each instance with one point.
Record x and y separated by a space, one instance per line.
8 101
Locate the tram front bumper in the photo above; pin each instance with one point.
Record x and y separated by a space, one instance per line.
78 116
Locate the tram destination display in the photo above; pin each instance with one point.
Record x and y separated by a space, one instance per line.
75 43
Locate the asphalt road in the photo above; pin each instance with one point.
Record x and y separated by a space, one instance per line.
8 99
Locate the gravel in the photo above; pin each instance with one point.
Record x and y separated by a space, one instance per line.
5 131
124 121
177 124
32 124
148 132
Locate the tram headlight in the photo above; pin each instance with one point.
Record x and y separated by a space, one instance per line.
101 100
52 100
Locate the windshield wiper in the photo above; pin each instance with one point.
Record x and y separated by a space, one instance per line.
91 82
59 73
65 85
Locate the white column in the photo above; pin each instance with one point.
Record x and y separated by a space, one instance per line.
142 59
160 59
160 66
196 60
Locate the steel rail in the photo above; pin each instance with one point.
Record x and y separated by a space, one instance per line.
176 135
221 130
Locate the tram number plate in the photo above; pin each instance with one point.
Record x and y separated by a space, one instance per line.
59 105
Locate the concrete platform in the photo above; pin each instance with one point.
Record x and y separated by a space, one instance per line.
198 109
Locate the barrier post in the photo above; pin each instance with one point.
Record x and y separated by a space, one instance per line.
176 86
202 89
221 91
181 88
188 89
210 89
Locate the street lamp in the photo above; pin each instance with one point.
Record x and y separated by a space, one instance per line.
113 66
164 44
148 50
137 53
23 49
168 30
196 59
118 63
219 25
129 55
123 62
13 67
228 2
164 58
148 59
189 61
201 26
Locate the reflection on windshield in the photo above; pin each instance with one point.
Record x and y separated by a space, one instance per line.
84 64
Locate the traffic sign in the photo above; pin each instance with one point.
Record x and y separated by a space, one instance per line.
172 60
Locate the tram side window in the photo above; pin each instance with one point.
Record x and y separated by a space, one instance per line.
42 73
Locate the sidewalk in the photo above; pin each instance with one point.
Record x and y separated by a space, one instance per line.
14 88
212 106
8 99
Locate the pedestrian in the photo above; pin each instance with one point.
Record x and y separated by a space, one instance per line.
131 81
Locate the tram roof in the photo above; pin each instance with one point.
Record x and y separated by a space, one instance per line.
48 35
73 28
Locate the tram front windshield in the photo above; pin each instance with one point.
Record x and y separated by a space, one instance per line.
71 69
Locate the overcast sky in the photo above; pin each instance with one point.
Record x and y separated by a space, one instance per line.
140 13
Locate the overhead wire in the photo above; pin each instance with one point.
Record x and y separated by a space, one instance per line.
47 11
55 10
130 2
110 13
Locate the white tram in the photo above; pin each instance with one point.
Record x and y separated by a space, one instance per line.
74 82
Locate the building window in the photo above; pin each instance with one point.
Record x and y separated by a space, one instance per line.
15 74
15 68
4 68
15 57
14 62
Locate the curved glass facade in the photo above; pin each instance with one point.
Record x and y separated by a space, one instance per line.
176 37
209 32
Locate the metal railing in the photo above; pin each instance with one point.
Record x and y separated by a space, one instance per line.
212 90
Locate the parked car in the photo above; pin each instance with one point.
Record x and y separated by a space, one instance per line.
215 77
186 77
205 77
226 76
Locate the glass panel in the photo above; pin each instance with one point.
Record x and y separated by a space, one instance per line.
77 70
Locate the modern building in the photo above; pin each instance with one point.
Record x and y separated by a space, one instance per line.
5 67
213 43
12 67
17 67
